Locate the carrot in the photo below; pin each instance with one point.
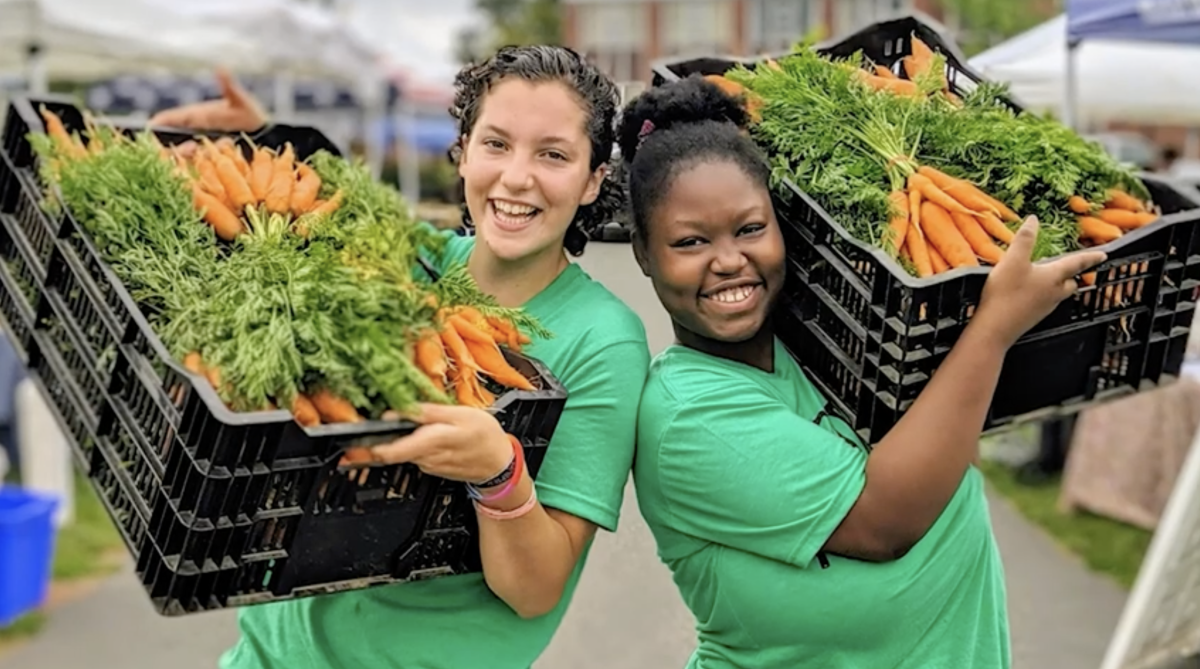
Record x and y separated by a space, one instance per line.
943 235
914 210
897 86
430 358
918 249
508 333
1126 220
978 238
996 228
467 389
491 362
898 226
66 142
237 190
325 207
304 193
939 263
1078 205
226 224
334 409
193 363
1118 199
457 349
966 193
214 377
305 411
884 72
261 171
468 331
930 191
1098 230
283 180
209 180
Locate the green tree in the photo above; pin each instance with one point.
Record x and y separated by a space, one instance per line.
523 21
985 23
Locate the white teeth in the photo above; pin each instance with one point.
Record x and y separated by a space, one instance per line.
733 295
513 209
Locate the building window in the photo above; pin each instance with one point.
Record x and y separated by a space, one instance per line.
697 26
612 36
776 25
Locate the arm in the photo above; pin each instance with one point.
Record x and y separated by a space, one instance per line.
528 562
913 473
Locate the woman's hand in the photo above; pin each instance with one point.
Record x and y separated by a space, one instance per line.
1020 293
454 442
236 111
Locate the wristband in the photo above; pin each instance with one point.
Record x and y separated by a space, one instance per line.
517 468
525 508
506 473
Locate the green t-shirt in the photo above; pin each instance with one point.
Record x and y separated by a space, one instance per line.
742 487
600 354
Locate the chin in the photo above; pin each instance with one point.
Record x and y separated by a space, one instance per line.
735 333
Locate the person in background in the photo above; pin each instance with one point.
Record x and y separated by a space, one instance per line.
12 372
793 543
537 126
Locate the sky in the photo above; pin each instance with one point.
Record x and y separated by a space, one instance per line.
418 34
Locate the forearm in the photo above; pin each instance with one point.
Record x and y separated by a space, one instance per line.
528 560
916 469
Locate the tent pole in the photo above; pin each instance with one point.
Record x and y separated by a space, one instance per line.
1070 99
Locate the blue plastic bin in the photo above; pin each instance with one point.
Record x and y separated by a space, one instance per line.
26 550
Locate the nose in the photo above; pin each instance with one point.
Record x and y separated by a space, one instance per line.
518 174
728 258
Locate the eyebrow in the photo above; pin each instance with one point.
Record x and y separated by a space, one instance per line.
491 129
753 211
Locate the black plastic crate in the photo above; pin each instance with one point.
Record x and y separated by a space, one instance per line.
221 508
870 335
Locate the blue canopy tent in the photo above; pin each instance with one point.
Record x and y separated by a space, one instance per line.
1161 21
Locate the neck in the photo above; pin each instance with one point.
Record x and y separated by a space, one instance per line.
513 283
758 351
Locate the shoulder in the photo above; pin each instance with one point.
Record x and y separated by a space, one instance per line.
449 246
601 316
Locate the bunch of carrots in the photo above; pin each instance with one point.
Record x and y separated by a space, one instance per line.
464 345
941 222
1107 222
921 61
226 186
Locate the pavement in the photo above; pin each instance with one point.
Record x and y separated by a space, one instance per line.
626 613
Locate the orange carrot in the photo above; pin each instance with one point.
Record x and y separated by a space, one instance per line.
305 411
491 362
325 207
457 349
226 224
468 331
237 190
1098 230
896 86
1078 205
914 211
261 171
1118 199
966 193
884 72
66 142
334 409
939 263
943 235
996 228
930 191
918 250
430 358
283 180
898 226
1126 220
209 179
214 377
193 363
304 193
509 334
978 238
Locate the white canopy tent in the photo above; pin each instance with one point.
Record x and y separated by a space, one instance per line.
1129 82
86 39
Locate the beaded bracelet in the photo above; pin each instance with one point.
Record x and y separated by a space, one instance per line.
518 468
494 514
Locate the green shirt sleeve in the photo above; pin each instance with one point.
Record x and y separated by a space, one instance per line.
591 453
741 469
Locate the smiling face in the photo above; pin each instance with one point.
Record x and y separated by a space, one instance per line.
715 254
526 168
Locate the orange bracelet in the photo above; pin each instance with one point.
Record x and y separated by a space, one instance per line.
495 514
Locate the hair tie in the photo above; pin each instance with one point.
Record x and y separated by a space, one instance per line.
647 128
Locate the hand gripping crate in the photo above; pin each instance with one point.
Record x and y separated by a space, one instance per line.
219 509
870 335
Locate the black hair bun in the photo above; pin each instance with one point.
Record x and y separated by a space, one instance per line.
683 102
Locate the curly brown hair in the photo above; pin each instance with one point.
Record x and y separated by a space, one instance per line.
596 93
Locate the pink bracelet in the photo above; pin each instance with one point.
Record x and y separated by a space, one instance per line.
494 514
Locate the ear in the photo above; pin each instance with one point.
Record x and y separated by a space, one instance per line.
639 252
462 155
593 186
